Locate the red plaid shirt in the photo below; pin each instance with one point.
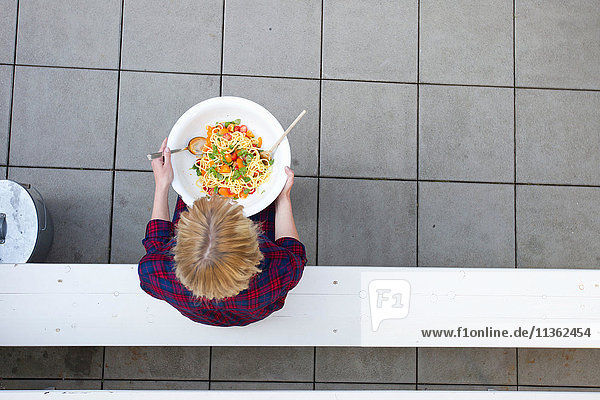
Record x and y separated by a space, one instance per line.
282 267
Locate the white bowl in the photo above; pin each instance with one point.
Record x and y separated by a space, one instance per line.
260 121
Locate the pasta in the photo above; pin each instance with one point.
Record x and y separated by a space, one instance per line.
230 164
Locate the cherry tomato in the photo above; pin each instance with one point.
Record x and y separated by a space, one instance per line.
243 128
234 156
227 136
230 127
252 191
237 128
259 141
211 191
224 169
240 162
228 158
224 191
243 195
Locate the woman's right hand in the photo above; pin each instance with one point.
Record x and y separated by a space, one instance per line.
285 193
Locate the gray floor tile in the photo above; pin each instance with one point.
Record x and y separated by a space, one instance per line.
304 205
364 364
483 366
2 172
134 194
181 363
79 203
155 385
69 33
6 76
255 44
558 389
262 363
353 232
369 130
466 225
50 384
467 41
51 362
559 367
8 22
64 112
149 106
299 94
261 386
466 133
181 36
557 44
355 38
557 137
557 228
487 388
364 386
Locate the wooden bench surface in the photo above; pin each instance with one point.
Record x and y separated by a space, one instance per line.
103 305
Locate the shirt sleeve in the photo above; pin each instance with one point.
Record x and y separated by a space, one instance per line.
297 258
158 233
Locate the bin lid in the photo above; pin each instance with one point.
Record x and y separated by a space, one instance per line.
21 222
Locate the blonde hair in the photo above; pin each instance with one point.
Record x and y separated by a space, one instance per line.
216 251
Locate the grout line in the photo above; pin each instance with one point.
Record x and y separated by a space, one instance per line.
307 78
319 138
222 55
515 126
517 365
418 133
210 355
112 195
337 177
417 127
103 364
314 384
274 381
12 93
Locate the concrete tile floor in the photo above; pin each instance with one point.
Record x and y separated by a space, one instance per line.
452 120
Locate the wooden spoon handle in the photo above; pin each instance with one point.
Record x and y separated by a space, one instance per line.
293 124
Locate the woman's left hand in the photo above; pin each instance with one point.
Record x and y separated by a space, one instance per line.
161 166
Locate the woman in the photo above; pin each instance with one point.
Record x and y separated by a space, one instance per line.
214 265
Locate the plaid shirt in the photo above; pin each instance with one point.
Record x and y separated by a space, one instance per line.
282 267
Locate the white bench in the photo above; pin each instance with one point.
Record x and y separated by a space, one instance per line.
290 395
103 305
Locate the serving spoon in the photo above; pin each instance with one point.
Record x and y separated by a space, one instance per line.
267 154
194 146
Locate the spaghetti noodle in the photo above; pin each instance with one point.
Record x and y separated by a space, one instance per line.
230 164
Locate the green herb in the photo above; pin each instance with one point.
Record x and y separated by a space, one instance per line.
235 122
271 161
243 170
246 191
236 174
248 159
246 178
214 148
